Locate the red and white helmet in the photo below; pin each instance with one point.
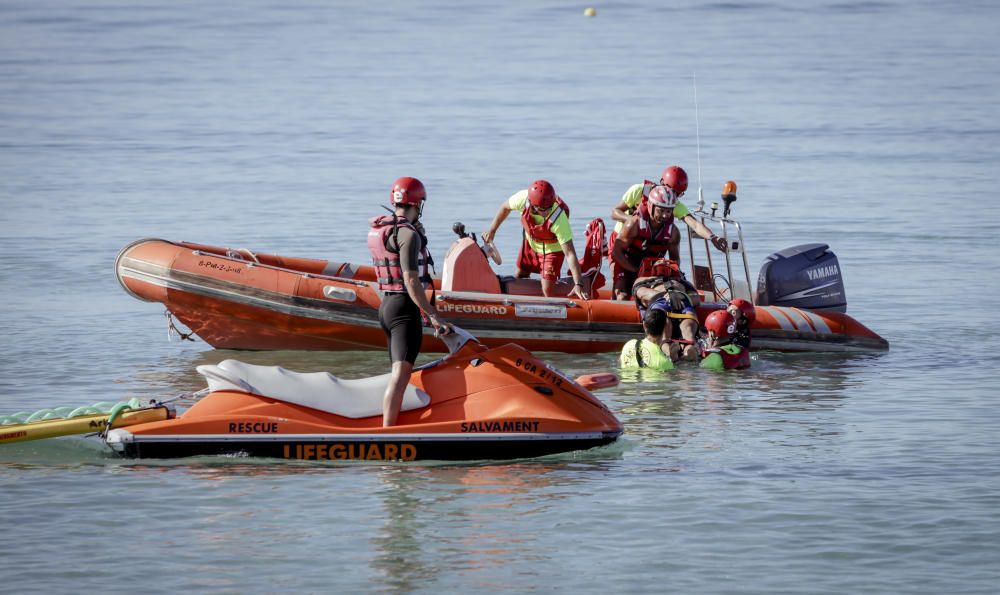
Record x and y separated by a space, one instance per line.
661 196
541 194
407 191
676 178
721 323
745 308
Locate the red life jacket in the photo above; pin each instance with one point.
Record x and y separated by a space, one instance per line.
388 271
730 361
659 267
738 361
593 251
647 245
542 232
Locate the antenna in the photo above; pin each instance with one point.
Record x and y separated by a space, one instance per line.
697 132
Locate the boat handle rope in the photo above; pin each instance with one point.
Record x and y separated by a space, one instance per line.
172 329
188 395
153 404
283 269
112 416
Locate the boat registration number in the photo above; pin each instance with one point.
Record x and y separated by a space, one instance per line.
541 371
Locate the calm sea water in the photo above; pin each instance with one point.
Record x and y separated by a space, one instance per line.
873 126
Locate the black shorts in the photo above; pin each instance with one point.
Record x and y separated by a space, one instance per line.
400 319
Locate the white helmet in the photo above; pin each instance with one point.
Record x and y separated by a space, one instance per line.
662 196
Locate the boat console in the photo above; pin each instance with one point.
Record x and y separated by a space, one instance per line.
467 269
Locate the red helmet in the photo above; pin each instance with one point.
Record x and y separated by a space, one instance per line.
407 191
676 178
746 308
721 323
661 196
541 194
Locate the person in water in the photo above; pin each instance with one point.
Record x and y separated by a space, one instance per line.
649 351
720 352
662 286
745 314
399 252
646 229
548 238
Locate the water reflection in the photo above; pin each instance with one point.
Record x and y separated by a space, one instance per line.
476 517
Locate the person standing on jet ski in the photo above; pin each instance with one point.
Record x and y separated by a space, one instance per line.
646 229
649 351
720 352
548 238
399 252
662 286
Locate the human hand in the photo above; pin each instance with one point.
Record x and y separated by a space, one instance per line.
488 236
440 328
719 243
579 292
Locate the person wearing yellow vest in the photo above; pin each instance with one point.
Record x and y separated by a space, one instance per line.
548 238
648 352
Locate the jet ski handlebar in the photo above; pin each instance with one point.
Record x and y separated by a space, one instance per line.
456 339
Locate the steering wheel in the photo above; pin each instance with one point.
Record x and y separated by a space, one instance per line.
491 251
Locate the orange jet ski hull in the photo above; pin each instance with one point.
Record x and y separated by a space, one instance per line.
483 403
237 299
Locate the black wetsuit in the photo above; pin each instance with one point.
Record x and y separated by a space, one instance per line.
399 315
742 336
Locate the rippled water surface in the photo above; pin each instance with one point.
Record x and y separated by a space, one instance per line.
279 126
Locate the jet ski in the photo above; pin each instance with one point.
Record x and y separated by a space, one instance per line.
474 403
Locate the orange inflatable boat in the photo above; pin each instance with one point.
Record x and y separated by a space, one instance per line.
238 299
475 403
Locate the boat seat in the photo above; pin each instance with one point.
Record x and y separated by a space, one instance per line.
593 280
316 390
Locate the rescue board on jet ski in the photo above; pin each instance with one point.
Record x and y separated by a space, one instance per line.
476 403
84 424
238 299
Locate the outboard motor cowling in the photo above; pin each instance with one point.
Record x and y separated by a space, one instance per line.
805 276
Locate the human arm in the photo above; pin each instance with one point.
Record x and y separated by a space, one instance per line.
415 289
702 230
674 247
626 206
625 237
621 211
497 220
409 246
515 203
574 268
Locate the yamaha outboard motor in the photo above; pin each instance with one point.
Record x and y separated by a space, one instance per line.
806 276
